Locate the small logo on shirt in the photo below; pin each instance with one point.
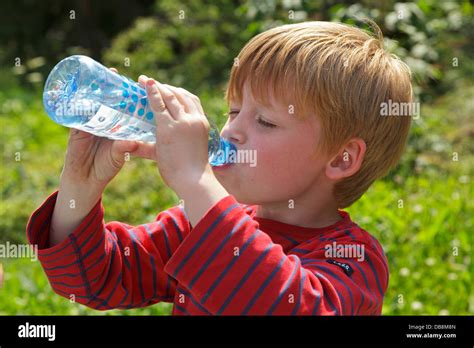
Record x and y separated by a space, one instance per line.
345 267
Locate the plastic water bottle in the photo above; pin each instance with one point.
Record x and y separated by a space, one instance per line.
83 94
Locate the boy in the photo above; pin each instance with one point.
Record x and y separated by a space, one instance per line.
262 240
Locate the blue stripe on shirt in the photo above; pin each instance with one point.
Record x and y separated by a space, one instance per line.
175 223
76 251
98 261
125 259
66 285
165 236
228 267
106 278
73 275
202 239
181 309
306 251
263 286
362 272
377 280
287 284
318 297
139 268
105 303
245 277
301 251
153 268
348 233
195 302
295 242
328 299
298 300
93 248
81 267
168 250
120 304
216 252
329 271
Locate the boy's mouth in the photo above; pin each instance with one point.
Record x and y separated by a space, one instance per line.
224 166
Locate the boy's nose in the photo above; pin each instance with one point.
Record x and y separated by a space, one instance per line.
233 135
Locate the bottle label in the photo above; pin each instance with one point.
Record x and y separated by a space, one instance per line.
116 125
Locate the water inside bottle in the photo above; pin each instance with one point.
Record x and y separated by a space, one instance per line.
109 105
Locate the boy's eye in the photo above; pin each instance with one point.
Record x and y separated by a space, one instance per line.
232 113
265 123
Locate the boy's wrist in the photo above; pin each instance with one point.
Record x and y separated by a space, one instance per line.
81 197
201 196
74 202
70 184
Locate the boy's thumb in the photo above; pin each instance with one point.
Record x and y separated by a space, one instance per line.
120 148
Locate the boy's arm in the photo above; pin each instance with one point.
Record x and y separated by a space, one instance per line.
230 267
111 265
73 204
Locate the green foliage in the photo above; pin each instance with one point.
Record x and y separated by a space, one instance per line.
441 133
190 44
426 239
194 44
433 38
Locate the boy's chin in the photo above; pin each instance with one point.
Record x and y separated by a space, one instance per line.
243 198
241 194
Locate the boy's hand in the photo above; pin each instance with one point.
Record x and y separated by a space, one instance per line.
94 161
182 135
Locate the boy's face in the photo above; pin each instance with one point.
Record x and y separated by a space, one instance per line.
287 164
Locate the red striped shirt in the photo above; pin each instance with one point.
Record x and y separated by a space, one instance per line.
230 263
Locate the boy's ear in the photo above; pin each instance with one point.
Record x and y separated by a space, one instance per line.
347 162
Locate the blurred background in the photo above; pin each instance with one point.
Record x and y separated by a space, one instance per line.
422 212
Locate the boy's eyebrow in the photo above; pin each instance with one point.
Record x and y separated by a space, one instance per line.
277 112
269 111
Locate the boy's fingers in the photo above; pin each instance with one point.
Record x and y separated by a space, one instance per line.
171 102
120 148
142 79
157 103
191 105
114 70
135 148
186 99
145 150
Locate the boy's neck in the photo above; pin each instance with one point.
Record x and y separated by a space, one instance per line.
315 215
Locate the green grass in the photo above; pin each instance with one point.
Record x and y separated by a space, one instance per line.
427 274
418 238
27 292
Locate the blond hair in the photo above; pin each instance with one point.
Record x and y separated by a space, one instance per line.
342 75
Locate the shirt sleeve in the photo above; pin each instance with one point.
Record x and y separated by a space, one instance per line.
230 267
113 265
